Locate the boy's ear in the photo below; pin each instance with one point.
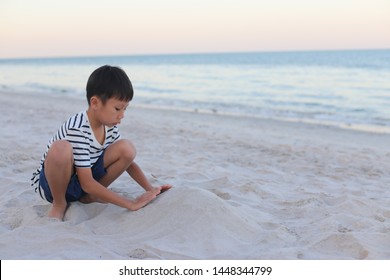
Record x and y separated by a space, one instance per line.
94 101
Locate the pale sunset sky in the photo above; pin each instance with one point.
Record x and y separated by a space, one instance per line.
47 28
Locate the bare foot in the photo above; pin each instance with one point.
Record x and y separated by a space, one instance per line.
57 211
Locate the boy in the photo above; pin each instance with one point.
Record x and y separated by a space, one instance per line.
87 153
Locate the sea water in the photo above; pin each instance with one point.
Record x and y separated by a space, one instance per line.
342 88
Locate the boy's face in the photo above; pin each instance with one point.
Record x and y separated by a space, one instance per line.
111 113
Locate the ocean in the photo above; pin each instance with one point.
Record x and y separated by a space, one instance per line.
349 89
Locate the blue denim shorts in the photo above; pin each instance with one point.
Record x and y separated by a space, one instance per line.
74 191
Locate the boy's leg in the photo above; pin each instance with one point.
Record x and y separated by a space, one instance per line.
117 158
58 171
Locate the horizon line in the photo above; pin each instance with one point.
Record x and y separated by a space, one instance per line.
191 53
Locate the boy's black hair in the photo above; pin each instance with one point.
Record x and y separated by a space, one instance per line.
107 82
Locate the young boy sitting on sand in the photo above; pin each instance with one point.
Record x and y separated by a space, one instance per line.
87 153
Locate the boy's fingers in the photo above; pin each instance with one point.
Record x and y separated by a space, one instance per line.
165 188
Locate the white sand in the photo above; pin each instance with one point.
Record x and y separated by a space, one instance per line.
243 189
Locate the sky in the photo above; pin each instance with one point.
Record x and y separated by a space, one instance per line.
50 28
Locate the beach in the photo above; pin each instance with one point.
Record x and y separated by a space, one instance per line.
243 188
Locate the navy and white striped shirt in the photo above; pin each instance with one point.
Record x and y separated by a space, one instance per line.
86 149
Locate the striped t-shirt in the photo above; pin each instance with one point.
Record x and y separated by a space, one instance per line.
86 149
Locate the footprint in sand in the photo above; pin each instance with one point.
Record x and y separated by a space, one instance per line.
41 210
223 195
140 254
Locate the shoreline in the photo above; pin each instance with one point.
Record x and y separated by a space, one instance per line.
244 188
368 128
378 129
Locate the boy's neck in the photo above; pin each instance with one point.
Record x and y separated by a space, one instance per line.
93 120
98 129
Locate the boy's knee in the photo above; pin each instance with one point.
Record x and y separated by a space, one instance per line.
60 151
128 150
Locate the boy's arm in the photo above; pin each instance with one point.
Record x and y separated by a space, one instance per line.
138 175
94 188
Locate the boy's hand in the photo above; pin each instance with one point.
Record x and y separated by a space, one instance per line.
147 197
163 188
142 200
